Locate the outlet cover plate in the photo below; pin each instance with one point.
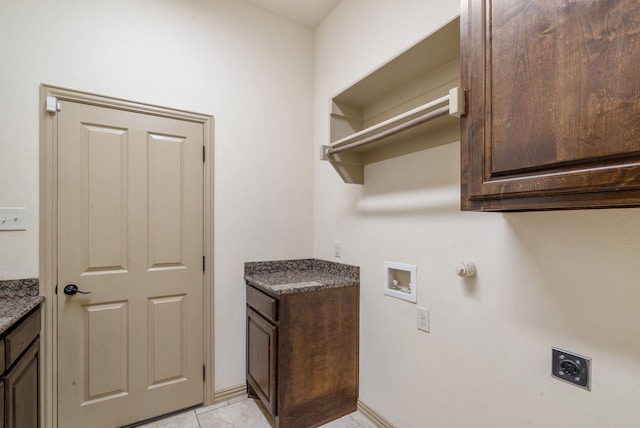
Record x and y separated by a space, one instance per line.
12 219
423 319
572 368
337 249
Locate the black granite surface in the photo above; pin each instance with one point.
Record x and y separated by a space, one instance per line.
17 298
300 275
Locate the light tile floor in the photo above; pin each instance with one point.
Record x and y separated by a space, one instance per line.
242 413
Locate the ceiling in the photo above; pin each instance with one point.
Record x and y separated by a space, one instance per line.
309 13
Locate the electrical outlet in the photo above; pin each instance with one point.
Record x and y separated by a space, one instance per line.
572 368
423 319
337 249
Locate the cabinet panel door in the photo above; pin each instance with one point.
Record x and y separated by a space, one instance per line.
22 397
262 348
553 104
2 420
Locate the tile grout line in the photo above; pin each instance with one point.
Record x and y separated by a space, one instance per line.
197 418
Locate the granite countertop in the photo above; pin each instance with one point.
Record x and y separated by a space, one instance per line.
17 298
297 276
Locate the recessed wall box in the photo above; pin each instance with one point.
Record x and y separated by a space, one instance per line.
400 280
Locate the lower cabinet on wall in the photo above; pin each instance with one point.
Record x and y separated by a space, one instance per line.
21 377
302 354
2 401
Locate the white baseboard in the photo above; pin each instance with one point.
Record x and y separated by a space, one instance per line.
228 394
375 417
240 392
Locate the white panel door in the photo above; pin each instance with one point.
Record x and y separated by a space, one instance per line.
130 233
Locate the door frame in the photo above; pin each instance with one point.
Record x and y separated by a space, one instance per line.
48 244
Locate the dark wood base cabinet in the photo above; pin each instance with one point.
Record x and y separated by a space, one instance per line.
21 380
22 404
553 104
302 354
1 400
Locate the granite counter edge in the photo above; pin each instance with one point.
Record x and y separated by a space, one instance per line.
299 287
12 309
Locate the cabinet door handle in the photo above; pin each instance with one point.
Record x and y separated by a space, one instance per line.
72 289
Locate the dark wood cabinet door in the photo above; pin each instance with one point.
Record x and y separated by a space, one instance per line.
22 398
553 117
2 421
262 345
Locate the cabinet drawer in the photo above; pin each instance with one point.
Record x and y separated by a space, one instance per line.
262 303
19 339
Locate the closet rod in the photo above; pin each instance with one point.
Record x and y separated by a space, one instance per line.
454 106
434 114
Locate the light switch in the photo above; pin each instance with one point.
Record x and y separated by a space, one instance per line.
13 218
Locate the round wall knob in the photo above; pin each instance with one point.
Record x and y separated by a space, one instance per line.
466 269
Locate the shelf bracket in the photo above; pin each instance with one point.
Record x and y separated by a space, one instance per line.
456 102
349 165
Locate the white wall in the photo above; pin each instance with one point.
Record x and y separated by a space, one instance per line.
563 279
566 279
251 70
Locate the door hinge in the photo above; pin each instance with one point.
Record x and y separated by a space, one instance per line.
56 290
203 263
204 373
204 153
52 104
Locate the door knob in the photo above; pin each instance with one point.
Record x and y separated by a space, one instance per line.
72 289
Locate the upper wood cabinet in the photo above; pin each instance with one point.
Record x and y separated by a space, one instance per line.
553 104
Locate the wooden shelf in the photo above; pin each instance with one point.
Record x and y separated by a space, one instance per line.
403 103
